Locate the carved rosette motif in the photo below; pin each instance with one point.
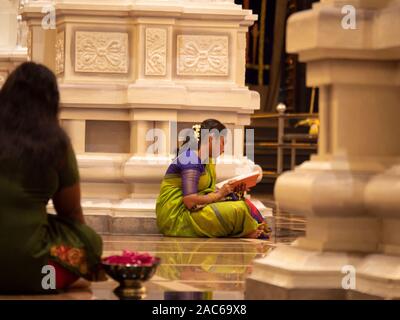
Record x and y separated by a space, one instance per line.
103 52
156 52
60 52
202 55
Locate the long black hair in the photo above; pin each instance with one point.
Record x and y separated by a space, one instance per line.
29 127
209 125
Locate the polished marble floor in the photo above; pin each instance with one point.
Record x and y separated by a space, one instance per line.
190 269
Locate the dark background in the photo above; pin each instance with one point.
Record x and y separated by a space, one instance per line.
291 88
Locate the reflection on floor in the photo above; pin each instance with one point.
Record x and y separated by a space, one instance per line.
190 269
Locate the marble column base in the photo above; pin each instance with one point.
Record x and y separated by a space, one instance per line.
259 290
289 272
295 273
379 275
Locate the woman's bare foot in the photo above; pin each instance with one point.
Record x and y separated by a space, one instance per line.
257 233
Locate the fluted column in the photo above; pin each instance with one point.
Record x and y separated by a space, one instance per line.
349 191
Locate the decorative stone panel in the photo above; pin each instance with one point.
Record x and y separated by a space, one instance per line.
202 55
103 52
156 52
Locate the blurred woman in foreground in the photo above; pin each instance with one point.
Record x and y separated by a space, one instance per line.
37 163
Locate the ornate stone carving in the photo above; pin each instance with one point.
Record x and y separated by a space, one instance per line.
104 52
202 55
60 52
156 52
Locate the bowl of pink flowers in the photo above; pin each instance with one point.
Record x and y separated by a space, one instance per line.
131 270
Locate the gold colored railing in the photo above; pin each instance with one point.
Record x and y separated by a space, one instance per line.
287 141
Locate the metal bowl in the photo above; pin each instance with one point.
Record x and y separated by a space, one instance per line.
130 278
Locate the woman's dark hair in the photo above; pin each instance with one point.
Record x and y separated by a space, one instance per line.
209 125
29 128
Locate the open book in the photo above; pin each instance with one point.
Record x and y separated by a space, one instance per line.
250 179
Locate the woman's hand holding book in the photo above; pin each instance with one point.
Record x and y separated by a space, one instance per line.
226 189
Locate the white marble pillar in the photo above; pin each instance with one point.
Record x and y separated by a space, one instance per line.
349 192
76 130
12 38
140 139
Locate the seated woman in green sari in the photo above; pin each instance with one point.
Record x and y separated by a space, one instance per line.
189 205
37 164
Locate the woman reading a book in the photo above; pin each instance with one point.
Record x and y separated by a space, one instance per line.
190 205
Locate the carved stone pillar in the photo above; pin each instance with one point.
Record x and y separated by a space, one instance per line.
349 191
12 38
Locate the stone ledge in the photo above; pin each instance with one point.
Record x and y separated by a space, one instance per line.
130 225
133 218
122 225
258 290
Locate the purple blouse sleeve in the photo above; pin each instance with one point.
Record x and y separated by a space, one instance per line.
190 180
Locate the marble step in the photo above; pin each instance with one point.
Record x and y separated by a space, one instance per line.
133 216
130 225
122 225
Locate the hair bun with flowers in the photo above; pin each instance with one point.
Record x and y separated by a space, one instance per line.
197 130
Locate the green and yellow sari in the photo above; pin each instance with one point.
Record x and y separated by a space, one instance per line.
219 219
